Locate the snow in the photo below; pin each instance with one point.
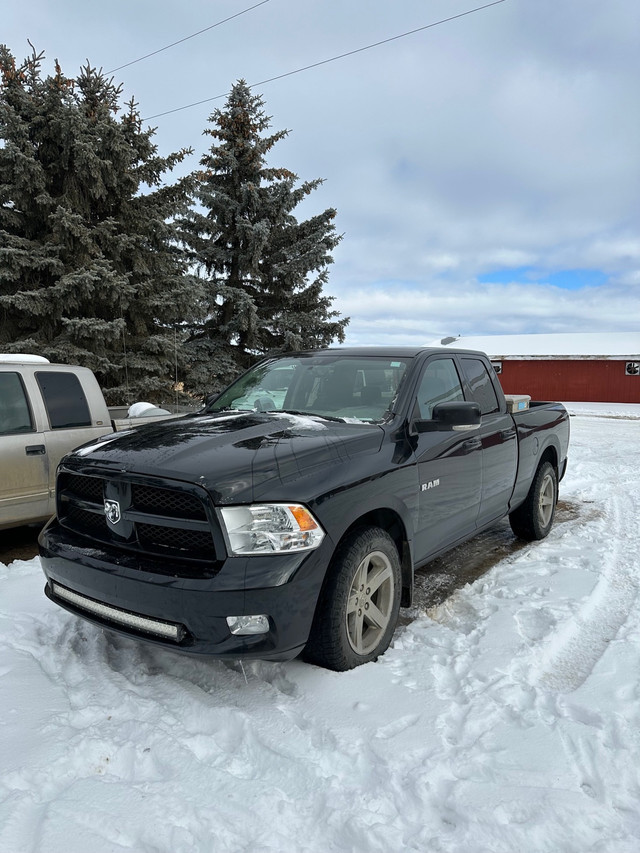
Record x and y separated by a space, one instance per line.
604 410
620 345
308 422
22 358
505 719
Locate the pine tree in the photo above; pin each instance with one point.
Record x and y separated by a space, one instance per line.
91 272
263 271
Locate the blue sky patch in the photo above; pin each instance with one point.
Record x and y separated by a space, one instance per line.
566 279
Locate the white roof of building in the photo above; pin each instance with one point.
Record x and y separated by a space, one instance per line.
592 345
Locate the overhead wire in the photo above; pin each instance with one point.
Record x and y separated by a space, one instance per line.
186 38
331 59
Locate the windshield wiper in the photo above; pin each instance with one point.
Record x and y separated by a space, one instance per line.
311 415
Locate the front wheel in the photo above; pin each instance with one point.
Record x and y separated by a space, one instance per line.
534 518
358 609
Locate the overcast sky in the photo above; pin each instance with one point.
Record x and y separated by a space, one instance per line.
486 171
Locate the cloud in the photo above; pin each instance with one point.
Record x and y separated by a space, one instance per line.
507 139
390 313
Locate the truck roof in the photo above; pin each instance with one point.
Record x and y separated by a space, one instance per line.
382 352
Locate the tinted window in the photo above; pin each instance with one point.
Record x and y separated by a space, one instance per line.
481 386
440 384
64 399
14 408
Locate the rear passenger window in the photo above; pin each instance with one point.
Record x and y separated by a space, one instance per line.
15 415
64 399
481 385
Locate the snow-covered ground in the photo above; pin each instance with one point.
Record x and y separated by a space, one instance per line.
504 720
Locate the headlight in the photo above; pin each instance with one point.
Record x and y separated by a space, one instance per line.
270 528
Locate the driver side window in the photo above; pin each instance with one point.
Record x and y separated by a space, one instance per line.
440 384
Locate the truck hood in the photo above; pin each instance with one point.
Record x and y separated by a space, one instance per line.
239 457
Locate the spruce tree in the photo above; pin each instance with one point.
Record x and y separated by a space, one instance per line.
90 269
262 270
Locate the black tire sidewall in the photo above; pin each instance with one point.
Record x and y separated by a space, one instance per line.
329 642
525 520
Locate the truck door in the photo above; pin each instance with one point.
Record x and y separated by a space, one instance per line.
449 466
24 468
499 442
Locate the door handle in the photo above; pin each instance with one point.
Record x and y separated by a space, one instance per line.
471 444
35 450
507 433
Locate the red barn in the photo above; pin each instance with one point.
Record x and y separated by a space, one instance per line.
576 367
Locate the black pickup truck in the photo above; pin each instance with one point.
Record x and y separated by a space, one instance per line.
289 515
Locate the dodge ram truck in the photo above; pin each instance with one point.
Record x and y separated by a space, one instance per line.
290 514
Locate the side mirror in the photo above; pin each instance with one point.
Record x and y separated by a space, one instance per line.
459 416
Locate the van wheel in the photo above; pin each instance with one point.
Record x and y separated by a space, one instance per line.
534 518
358 608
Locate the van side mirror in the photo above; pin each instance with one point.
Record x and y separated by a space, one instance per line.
458 416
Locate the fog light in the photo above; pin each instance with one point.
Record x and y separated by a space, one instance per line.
242 625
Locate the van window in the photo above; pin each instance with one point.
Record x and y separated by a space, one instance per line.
64 399
14 408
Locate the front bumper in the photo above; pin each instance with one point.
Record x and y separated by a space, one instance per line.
284 587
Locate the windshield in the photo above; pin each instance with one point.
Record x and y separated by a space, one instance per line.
358 388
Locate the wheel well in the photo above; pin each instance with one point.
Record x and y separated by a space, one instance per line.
550 455
390 521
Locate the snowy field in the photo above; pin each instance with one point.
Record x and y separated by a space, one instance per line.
506 719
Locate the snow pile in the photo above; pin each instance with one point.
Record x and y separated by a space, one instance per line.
504 720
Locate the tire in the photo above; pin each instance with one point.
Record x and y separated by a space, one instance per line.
534 518
358 608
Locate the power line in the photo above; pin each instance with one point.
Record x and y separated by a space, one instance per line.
331 59
186 38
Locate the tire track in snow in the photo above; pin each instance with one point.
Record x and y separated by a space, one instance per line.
572 653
